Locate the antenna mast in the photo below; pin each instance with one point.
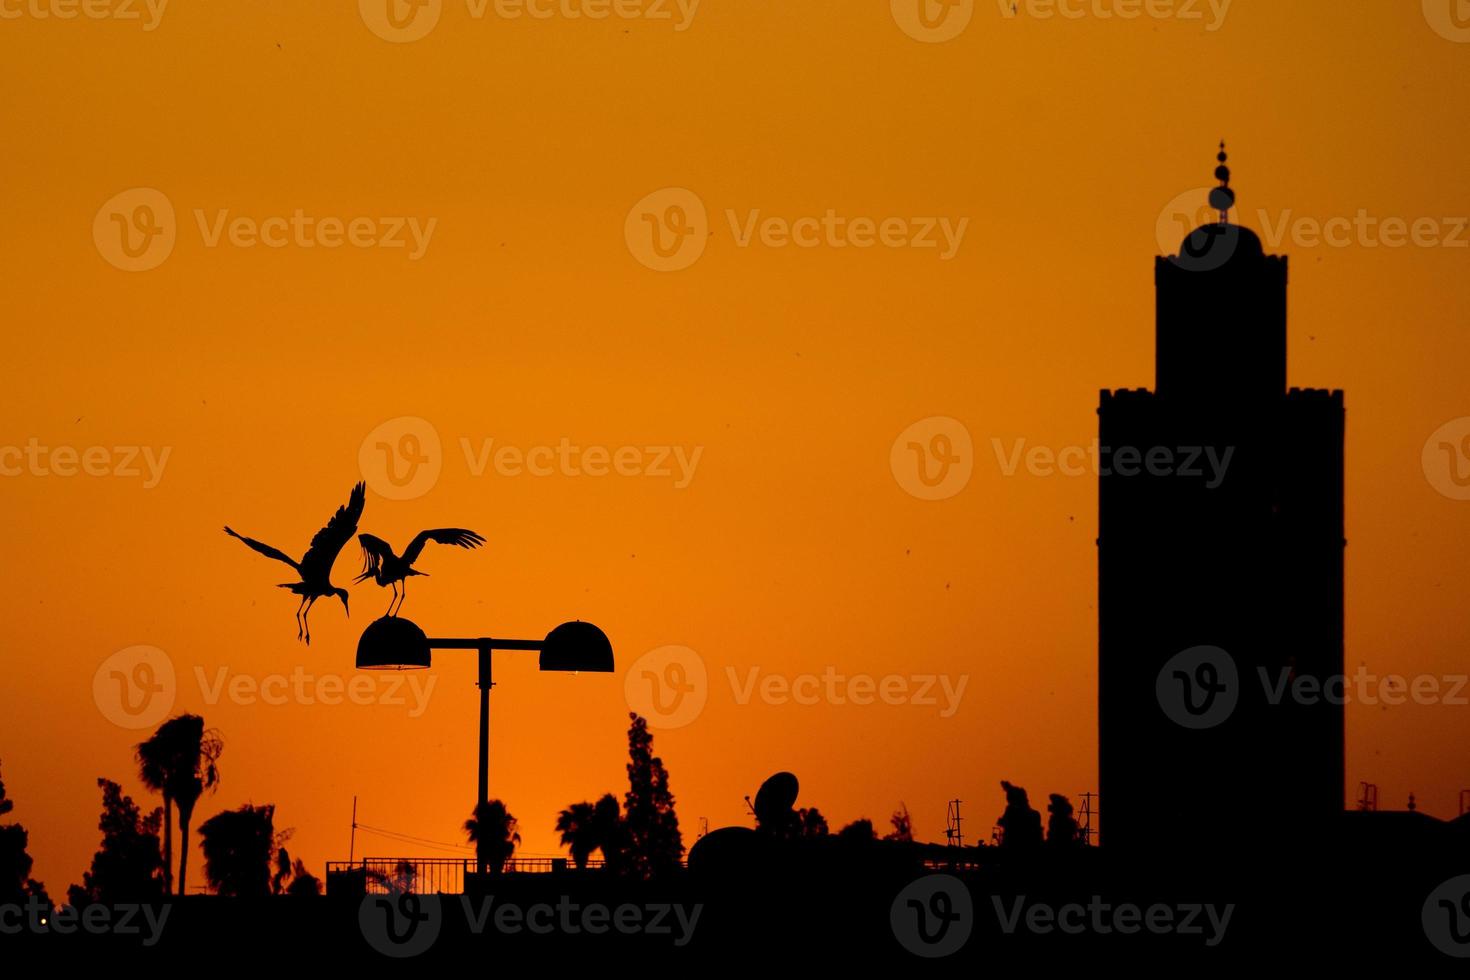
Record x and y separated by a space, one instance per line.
952 832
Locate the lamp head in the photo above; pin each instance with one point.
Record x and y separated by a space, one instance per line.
577 646
392 643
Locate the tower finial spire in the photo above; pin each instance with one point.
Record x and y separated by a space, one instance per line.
1222 198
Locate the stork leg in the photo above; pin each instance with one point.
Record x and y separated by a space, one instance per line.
392 600
298 617
404 595
306 622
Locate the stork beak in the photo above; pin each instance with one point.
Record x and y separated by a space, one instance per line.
344 607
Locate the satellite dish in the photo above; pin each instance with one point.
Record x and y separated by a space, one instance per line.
777 796
727 852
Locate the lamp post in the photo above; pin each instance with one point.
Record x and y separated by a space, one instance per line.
395 643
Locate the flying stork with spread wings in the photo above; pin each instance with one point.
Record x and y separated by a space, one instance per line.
315 568
383 566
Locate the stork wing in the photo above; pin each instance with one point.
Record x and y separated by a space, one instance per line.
264 549
442 535
328 542
374 551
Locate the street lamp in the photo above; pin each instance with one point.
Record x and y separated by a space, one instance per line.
395 643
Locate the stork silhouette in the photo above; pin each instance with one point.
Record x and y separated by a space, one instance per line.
315 568
383 566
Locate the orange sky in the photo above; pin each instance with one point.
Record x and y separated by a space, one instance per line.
528 319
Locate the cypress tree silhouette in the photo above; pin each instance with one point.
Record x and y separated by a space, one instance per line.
654 843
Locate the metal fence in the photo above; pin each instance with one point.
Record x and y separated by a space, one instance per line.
429 876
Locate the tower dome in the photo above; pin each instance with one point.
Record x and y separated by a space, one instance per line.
1213 245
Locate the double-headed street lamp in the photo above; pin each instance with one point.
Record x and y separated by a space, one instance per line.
395 643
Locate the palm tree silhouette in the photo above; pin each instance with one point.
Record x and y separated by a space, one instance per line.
492 830
578 827
152 757
383 566
315 568
184 756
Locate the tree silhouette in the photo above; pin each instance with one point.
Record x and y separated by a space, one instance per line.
282 875
811 823
16 883
654 844
611 833
291 877
579 831
400 881
903 825
129 865
859 829
179 761
1061 827
237 847
493 831
303 882
152 760
1020 825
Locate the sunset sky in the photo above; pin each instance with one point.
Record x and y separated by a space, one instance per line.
529 154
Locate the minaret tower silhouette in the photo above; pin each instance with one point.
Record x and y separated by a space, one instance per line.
1220 567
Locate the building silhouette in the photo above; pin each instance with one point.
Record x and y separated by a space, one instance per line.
1220 564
